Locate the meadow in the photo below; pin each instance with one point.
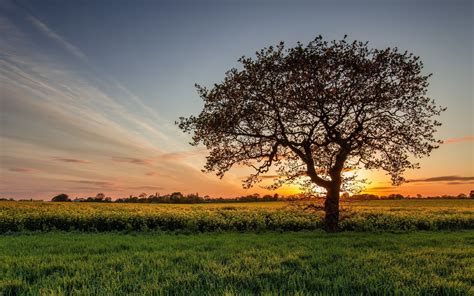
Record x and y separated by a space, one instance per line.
387 247
230 263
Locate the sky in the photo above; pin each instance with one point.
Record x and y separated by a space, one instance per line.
90 90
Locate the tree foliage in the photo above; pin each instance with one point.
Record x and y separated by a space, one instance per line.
61 198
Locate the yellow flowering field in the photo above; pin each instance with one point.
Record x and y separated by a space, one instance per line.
375 215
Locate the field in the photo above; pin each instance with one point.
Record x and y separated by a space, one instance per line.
303 263
275 216
236 249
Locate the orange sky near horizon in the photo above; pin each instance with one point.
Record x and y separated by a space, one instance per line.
451 180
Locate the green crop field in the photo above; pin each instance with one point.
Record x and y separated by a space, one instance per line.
236 249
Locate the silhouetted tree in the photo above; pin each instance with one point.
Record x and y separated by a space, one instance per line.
316 111
395 196
61 198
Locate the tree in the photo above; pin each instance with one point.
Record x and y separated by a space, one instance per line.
313 112
61 198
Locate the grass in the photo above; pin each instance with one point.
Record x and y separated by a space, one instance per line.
278 216
302 263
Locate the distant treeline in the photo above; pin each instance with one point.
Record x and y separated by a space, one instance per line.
179 198
400 196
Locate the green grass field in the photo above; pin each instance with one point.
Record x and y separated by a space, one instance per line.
236 249
303 263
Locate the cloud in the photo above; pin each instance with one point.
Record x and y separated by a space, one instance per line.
182 154
97 183
51 34
22 170
71 160
460 183
442 179
147 187
110 82
133 160
270 176
459 140
381 188
85 96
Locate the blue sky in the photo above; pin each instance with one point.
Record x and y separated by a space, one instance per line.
91 88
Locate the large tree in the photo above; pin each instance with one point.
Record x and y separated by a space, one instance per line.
317 111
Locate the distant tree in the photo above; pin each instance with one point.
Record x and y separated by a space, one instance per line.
364 196
175 197
345 195
395 196
269 197
61 198
313 112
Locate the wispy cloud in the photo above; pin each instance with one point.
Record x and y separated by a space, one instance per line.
442 179
146 187
182 154
133 160
269 176
22 170
150 174
71 160
51 34
130 97
97 183
459 140
380 188
460 183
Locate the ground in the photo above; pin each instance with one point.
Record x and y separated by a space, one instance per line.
305 263
231 262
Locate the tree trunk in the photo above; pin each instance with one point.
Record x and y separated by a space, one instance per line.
331 208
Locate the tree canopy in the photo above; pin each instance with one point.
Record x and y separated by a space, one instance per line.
61 198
